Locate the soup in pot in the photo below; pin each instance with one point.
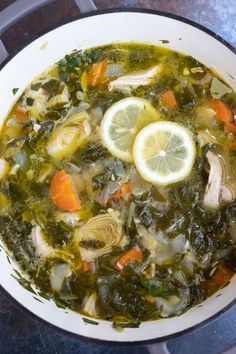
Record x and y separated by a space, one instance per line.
118 182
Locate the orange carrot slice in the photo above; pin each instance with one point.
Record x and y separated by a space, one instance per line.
233 145
219 279
96 73
63 192
169 100
123 192
133 254
223 112
231 127
87 266
21 113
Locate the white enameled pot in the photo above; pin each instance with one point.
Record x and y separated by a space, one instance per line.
92 30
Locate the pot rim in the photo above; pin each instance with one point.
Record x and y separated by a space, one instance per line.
14 300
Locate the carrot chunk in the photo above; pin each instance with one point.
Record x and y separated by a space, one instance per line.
123 192
169 100
96 73
63 192
223 112
87 266
21 113
219 279
231 127
133 254
233 145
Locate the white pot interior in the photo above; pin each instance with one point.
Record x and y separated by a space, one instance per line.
81 34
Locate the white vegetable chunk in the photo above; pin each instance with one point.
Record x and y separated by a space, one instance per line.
148 240
4 168
71 219
114 70
58 274
218 89
226 193
128 82
228 190
173 305
206 137
41 246
162 250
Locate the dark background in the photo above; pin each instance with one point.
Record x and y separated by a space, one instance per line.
19 332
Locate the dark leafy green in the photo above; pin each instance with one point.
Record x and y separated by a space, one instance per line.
157 287
14 90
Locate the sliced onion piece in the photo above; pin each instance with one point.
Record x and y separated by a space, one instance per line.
114 70
41 246
219 89
58 274
173 305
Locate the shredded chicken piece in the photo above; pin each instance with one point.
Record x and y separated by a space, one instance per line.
213 189
219 187
128 82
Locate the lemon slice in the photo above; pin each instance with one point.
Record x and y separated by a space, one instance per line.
122 122
164 152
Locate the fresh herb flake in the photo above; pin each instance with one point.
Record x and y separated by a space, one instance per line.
36 87
24 282
14 91
37 299
44 295
164 41
119 326
29 101
87 320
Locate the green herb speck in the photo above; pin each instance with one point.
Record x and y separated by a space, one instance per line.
164 41
14 91
119 326
87 320
29 101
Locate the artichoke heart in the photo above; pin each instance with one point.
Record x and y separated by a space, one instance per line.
43 95
61 99
104 230
38 103
69 136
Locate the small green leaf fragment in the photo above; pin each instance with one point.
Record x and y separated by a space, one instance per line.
29 101
119 326
88 321
14 90
164 41
37 299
